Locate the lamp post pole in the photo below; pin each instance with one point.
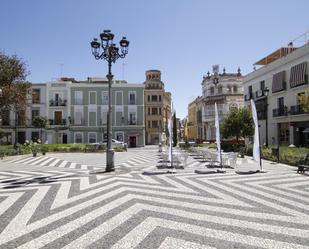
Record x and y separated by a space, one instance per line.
110 53
266 91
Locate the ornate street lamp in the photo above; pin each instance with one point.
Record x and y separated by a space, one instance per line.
110 52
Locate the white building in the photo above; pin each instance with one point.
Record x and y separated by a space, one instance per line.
226 90
285 74
18 126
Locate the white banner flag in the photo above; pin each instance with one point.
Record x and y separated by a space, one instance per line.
217 125
256 143
170 131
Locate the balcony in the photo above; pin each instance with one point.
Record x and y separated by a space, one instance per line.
58 102
62 122
132 122
297 109
280 112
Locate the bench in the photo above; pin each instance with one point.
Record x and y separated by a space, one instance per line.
303 165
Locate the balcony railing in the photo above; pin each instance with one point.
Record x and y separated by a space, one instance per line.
281 111
58 102
297 109
132 122
57 122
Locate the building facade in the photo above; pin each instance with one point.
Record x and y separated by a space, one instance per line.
157 108
18 126
194 122
285 74
77 112
226 90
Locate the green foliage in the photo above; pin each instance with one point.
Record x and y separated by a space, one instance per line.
238 124
174 130
12 69
304 101
39 122
287 155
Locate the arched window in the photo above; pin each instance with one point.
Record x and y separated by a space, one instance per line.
235 89
212 90
229 89
220 89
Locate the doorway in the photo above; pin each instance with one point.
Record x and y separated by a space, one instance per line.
64 138
58 117
132 141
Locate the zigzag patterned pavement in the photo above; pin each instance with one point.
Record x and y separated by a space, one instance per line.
57 201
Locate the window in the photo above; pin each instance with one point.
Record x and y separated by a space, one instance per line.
250 91
148 124
148 110
262 85
78 97
278 83
36 96
229 89
148 97
92 98
132 100
154 98
35 113
104 98
78 118
118 98
104 118
119 136
160 111
78 138
154 111
92 137
155 124
284 133
160 98
280 102
212 90
298 75
220 89
92 119
235 89
132 118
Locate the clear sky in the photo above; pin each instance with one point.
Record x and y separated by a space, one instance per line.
182 38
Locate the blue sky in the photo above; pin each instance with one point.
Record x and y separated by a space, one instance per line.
182 38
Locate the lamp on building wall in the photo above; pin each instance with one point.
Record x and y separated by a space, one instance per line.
110 53
266 92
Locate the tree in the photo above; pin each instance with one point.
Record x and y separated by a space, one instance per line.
13 85
238 123
304 101
174 130
40 122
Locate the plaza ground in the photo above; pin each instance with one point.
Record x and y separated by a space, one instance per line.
58 201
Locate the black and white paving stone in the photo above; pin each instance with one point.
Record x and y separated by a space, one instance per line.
57 201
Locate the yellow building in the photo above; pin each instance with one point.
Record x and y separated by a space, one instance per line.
192 123
157 108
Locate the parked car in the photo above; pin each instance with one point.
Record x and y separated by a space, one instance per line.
116 143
